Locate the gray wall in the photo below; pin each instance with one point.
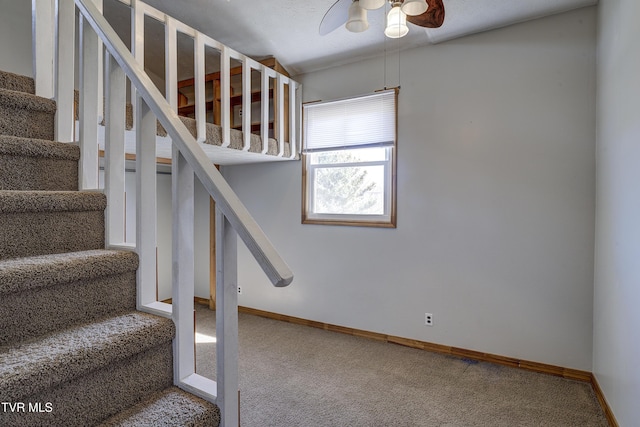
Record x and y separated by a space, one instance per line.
15 37
201 234
496 176
617 265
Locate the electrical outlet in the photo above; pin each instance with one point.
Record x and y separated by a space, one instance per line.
428 319
239 290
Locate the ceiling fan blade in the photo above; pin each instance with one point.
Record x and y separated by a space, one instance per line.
432 18
335 17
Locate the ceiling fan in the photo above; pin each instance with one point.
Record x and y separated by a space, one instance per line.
353 15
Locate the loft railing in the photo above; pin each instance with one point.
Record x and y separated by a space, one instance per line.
102 49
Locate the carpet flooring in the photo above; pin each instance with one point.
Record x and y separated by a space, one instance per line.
292 375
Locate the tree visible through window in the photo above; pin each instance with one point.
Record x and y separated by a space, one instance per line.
349 167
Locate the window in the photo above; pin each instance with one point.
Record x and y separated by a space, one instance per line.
349 161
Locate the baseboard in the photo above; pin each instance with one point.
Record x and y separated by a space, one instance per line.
603 402
568 373
572 374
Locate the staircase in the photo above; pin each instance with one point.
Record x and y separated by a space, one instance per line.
73 349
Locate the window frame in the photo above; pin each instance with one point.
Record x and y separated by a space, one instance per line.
389 218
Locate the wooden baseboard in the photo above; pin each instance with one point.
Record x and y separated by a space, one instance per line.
573 374
603 402
568 373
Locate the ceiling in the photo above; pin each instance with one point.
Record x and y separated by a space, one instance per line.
288 29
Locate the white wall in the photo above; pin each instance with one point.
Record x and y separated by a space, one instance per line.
495 201
201 230
617 265
201 235
15 37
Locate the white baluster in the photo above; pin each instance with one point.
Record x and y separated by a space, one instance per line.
99 5
137 42
43 15
246 104
264 109
280 111
88 106
225 95
227 320
114 168
65 120
299 122
182 266
171 63
201 101
292 119
146 214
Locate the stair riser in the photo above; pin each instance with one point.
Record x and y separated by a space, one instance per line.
17 82
26 123
40 233
41 311
100 394
38 173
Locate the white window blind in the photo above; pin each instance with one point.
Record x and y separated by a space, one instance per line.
368 120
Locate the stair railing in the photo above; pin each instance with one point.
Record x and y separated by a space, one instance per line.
232 218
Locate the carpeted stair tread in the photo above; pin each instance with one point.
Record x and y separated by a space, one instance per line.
169 408
26 115
17 82
92 398
26 101
36 164
32 147
12 201
29 273
42 294
49 222
31 367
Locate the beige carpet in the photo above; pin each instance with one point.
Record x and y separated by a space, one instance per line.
293 375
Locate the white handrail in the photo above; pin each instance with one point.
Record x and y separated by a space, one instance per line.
227 201
188 159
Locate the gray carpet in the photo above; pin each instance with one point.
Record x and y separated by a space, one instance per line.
73 350
292 375
25 163
25 115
